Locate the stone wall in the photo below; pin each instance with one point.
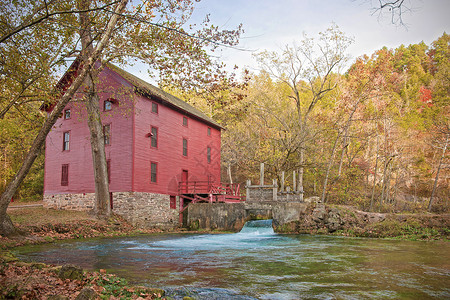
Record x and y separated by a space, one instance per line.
82 202
259 193
287 212
288 197
220 216
232 216
140 209
146 209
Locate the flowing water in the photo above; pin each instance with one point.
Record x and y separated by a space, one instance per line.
256 263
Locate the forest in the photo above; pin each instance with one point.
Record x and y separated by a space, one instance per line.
372 132
374 136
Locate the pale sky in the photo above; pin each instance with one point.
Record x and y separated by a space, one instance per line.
271 24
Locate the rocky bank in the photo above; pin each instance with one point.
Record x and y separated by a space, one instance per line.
319 218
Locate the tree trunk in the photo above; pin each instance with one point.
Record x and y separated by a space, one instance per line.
229 173
385 180
374 177
101 180
344 147
102 205
300 173
6 226
330 162
430 204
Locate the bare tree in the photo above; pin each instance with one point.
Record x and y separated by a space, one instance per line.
307 69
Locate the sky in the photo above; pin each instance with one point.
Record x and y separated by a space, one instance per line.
272 24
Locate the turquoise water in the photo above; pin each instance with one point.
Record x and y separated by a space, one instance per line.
259 264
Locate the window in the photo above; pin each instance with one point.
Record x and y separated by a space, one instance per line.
209 131
67 114
185 147
154 137
185 121
107 134
173 202
153 172
108 168
154 107
65 175
208 154
107 105
66 141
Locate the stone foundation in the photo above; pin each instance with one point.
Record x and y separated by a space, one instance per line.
146 209
81 202
140 209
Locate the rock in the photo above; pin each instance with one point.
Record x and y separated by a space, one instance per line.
334 220
313 199
87 294
319 213
71 272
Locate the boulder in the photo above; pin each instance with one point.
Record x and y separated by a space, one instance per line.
71 272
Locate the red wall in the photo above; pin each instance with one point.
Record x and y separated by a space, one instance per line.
169 155
128 121
79 157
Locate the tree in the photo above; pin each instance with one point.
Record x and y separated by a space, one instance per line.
395 9
177 56
307 69
6 226
152 32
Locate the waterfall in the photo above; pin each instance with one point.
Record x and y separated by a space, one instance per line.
258 227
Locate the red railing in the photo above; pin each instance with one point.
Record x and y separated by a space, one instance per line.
206 187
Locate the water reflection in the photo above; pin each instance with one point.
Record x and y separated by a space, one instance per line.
256 263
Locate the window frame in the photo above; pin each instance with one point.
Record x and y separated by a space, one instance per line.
208 131
154 137
67 114
155 108
66 143
107 137
107 101
185 146
173 202
185 121
153 175
208 154
65 175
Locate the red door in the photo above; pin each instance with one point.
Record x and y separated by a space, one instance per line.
184 180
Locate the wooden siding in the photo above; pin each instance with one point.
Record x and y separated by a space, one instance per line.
168 155
130 153
79 157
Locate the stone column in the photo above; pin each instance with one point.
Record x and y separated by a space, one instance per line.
247 196
282 182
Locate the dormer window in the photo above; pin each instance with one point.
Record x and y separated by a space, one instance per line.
67 114
107 105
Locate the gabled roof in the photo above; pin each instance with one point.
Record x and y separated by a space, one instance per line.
165 98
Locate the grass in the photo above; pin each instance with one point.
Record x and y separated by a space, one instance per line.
35 216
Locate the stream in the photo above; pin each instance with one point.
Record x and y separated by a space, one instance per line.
256 263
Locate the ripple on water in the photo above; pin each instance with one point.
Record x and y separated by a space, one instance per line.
258 264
